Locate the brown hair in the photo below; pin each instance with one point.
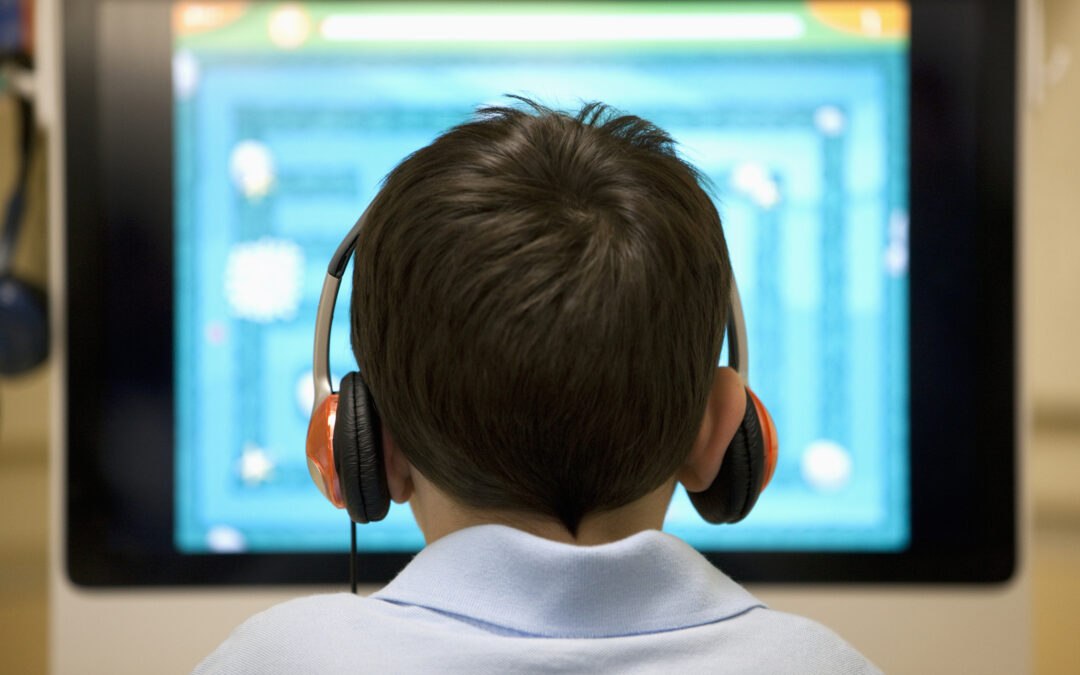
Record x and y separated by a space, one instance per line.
538 307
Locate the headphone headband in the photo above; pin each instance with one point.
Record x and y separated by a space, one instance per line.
340 261
324 315
737 345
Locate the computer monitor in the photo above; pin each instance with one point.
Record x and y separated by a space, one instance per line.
860 155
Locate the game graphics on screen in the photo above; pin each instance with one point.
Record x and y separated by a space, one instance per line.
287 117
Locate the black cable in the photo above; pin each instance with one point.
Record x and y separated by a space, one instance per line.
352 558
13 215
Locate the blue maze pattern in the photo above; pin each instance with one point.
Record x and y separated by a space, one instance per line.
822 136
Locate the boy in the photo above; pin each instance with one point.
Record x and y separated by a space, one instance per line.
538 308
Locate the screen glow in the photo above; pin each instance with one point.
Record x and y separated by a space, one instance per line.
288 116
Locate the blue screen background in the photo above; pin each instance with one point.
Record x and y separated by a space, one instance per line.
276 155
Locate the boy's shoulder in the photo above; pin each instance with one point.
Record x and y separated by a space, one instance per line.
323 633
282 638
792 643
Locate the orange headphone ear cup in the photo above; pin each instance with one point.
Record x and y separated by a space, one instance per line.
358 452
742 474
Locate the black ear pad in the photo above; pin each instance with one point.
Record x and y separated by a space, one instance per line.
358 455
24 326
737 486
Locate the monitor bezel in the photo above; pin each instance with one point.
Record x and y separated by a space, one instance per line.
963 377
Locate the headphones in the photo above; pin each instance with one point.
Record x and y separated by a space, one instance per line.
344 440
24 327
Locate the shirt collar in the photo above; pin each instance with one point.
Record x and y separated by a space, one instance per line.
516 582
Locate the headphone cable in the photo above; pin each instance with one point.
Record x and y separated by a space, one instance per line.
352 558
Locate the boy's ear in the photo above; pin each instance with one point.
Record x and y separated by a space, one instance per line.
399 480
724 413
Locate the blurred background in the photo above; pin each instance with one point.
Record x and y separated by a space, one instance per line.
1049 217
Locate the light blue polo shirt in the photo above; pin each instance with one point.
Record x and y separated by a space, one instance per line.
493 599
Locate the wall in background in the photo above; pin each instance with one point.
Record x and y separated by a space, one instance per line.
1051 212
24 412
1051 304
1051 217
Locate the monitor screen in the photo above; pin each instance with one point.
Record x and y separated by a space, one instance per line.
287 117
860 155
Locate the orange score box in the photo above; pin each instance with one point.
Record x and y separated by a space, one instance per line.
884 19
190 18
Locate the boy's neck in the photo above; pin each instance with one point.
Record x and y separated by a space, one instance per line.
438 515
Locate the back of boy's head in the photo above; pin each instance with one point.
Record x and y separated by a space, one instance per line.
538 309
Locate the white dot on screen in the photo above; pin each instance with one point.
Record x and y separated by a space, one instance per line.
185 75
870 20
255 466
748 176
251 167
225 539
826 465
755 181
289 27
896 253
896 259
264 279
829 120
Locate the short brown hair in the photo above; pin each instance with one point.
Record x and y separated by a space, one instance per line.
538 308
